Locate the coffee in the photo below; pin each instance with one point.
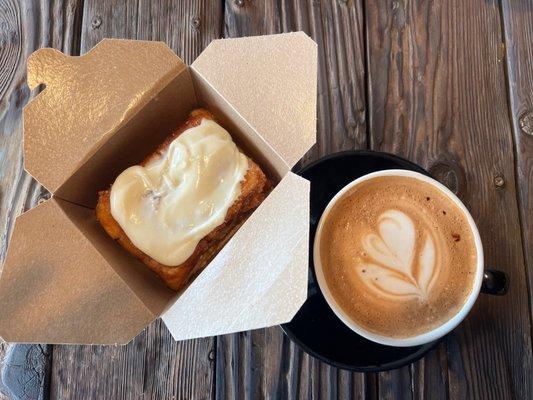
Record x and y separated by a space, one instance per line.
398 256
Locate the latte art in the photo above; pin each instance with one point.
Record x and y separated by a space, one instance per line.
398 256
397 271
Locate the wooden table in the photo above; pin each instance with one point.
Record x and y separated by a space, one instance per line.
447 84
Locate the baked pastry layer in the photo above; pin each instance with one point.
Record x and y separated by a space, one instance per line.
253 189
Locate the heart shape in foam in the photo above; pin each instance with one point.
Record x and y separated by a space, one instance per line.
399 269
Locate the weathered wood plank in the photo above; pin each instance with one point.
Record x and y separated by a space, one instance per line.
152 365
518 31
437 96
26 371
337 27
264 363
187 27
24 27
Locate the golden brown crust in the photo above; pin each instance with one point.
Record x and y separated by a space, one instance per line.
254 188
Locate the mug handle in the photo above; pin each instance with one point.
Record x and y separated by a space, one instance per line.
494 282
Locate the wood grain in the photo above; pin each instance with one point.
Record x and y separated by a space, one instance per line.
264 363
437 96
26 370
337 27
24 27
153 365
187 27
518 33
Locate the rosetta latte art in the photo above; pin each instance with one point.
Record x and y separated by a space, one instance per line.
398 256
398 267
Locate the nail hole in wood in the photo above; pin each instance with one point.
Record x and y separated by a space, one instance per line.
499 181
196 22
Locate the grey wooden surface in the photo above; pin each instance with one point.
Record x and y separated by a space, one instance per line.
448 85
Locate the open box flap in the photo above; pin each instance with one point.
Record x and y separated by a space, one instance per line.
86 99
56 288
272 82
261 273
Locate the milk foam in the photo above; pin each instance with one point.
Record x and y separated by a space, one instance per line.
398 256
395 269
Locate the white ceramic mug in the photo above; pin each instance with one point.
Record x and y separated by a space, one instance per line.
495 282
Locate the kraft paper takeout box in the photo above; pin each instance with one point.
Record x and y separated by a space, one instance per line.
66 281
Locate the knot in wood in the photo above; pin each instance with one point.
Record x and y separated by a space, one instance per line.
526 122
499 181
449 174
239 3
96 22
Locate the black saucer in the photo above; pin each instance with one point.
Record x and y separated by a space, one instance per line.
315 328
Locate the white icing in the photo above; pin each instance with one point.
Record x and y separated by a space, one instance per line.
395 271
166 207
